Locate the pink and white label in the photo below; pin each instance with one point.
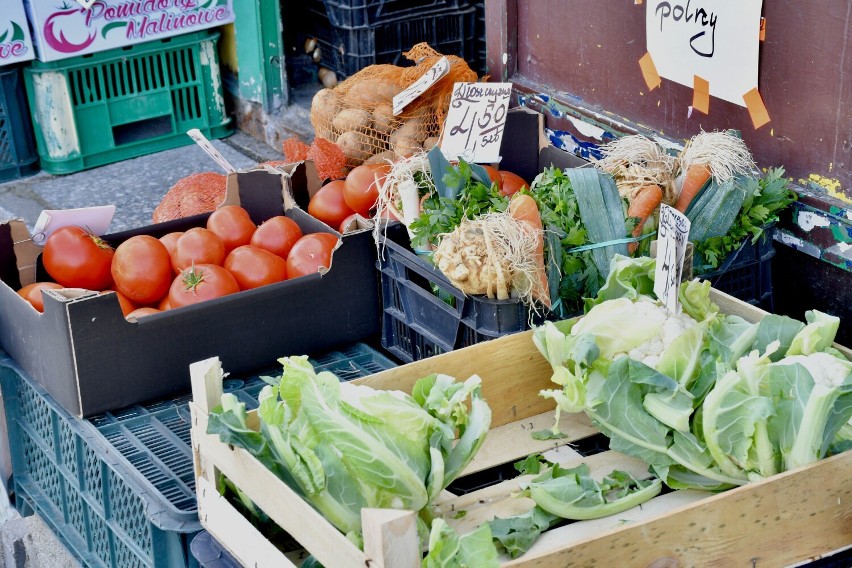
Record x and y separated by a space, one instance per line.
15 42
67 28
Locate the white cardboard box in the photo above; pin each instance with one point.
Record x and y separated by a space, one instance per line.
67 29
15 42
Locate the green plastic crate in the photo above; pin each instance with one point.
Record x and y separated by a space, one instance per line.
126 102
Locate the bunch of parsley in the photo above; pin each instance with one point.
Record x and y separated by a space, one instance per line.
766 197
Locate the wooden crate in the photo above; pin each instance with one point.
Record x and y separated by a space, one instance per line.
784 520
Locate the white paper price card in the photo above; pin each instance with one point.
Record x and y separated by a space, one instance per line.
96 220
474 126
435 73
672 238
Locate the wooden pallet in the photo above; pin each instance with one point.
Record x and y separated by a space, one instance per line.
784 520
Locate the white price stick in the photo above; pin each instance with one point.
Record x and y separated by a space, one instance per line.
475 122
421 85
672 238
205 144
93 219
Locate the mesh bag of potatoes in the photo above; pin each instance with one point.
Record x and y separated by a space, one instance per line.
358 114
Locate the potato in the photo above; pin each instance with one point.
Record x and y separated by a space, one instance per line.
383 158
430 143
352 119
371 93
384 122
412 129
356 146
407 147
324 108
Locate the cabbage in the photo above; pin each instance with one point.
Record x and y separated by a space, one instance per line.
344 447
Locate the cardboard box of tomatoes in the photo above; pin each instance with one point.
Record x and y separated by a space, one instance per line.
91 359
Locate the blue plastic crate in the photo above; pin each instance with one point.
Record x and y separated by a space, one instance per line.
352 14
18 157
119 489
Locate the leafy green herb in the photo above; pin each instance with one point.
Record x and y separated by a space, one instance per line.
548 435
463 197
765 198
531 464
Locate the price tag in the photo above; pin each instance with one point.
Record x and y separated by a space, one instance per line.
421 85
672 238
93 219
205 144
475 122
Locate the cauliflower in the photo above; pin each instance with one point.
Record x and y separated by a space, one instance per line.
826 369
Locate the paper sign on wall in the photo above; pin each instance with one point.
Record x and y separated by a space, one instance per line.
474 126
672 238
421 85
715 40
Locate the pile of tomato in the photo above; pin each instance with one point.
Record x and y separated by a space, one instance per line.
338 202
150 275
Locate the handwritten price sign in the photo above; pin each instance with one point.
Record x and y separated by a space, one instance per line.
435 73
475 122
672 238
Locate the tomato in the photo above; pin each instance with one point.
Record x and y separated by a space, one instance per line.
494 174
141 312
201 282
233 225
164 304
277 235
362 185
310 253
32 293
198 246
76 258
328 204
170 242
512 183
142 269
254 267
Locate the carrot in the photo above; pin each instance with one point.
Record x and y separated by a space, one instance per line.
523 208
694 179
644 203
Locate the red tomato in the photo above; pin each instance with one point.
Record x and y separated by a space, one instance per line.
201 282
254 267
141 312
361 189
494 174
32 293
277 235
76 258
328 204
233 225
142 269
170 242
512 183
310 253
198 246
164 304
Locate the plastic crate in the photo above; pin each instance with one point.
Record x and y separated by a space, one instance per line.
347 51
352 14
747 272
417 324
126 102
119 489
210 554
18 156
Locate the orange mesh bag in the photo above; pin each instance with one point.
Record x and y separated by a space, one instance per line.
328 158
196 193
358 115
295 150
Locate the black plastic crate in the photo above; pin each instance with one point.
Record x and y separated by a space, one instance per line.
352 14
347 51
416 323
746 273
18 157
